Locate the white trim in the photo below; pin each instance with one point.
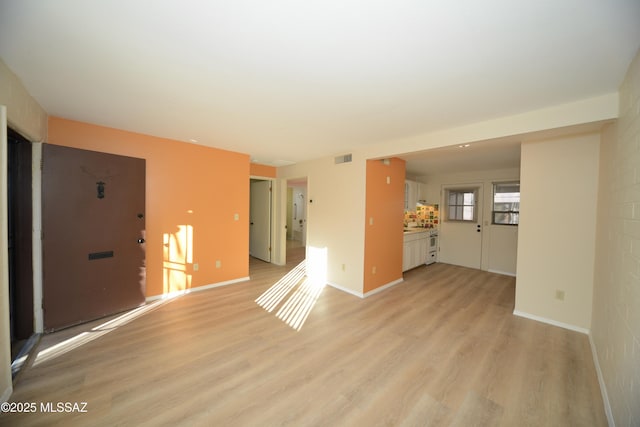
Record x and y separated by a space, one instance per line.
504 273
5 335
603 386
6 394
382 288
343 289
36 237
368 294
196 289
551 322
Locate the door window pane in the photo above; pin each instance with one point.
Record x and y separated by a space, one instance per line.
506 203
461 206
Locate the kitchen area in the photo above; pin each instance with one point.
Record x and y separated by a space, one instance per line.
485 243
421 225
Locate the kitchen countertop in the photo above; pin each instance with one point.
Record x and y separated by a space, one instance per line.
416 230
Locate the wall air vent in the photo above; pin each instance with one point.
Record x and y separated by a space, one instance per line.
343 159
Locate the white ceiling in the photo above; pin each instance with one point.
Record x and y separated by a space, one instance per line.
286 81
497 153
485 155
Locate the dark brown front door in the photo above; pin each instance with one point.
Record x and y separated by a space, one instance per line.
93 222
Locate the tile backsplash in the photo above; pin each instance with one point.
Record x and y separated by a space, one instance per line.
427 216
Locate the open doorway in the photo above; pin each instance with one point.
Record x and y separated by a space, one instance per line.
296 218
272 205
19 198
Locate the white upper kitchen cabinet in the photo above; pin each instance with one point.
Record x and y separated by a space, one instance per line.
411 194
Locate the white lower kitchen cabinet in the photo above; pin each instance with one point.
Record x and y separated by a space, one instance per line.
415 249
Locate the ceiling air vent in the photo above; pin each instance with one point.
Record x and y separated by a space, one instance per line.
343 159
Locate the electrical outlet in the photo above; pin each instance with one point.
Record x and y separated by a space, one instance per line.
344 267
218 264
373 270
196 267
559 295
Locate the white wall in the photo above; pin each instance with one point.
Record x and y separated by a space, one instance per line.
335 217
502 246
556 242
499 242
23 112
616 300
550 119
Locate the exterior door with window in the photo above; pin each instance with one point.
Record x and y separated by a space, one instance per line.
461 226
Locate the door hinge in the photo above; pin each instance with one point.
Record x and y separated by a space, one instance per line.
42 164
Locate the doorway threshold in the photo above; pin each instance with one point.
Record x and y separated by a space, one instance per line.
23 358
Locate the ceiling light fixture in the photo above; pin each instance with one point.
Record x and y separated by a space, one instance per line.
463 145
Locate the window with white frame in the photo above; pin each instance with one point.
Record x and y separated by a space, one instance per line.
506 203
461 205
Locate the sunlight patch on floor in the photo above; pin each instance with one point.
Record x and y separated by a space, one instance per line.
278 292
300 293
83 338
295 311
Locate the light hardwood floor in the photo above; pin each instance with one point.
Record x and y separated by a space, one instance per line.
440 349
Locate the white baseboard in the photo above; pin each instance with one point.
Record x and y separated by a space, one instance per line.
551 322
6 394
382 288
197 289
347 290
368 294
603 386
504 273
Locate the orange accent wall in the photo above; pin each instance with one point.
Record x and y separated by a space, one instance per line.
384 239
193 194
262 170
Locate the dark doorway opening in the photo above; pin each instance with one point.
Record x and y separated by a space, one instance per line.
20 219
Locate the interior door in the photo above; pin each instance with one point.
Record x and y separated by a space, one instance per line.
461 226
260 220
93 223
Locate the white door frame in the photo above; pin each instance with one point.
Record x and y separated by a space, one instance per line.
5 331
36 240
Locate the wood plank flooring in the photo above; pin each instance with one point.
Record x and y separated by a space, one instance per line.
440 349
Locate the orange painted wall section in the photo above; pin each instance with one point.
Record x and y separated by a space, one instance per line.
262 170
193 196
384 238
